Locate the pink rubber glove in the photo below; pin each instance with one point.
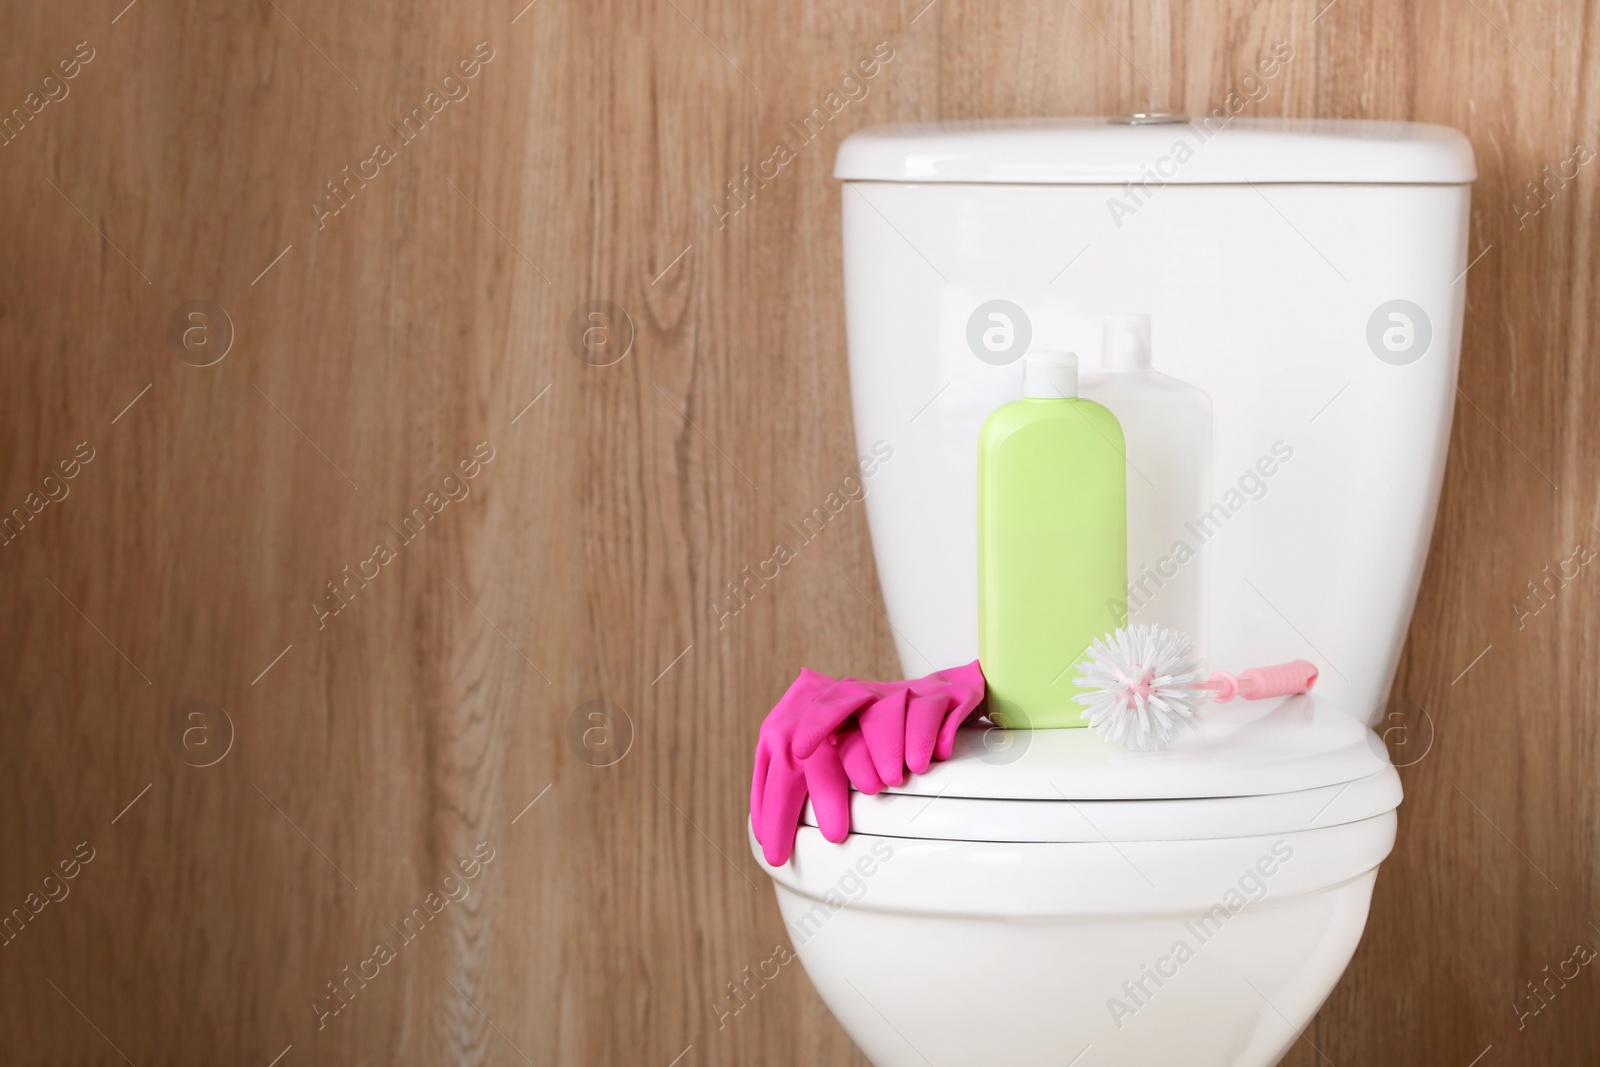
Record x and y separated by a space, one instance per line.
781 781
904 725
877 711
856 757
938 705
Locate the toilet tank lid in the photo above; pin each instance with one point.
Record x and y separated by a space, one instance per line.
1197 151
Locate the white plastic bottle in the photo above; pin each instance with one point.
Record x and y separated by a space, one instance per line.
1166 424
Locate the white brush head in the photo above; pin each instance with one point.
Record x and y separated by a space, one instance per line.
1142 686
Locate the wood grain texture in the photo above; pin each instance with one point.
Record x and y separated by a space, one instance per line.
588 161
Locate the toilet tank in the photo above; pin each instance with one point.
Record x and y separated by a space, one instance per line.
1309 275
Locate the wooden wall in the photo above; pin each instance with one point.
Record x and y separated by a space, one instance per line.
171 608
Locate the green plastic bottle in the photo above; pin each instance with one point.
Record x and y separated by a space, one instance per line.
1052 544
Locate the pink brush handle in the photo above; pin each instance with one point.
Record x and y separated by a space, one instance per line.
1259 683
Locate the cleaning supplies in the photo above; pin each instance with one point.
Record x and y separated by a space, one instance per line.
826 735
782 780
1166 424
1052 543
907 725
1143 684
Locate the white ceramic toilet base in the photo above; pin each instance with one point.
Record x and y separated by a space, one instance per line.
1202 953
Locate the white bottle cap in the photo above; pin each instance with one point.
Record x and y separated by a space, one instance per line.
1050 376
1127 342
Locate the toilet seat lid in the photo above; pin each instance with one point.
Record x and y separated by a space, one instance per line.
943 819
1253 769
1245 748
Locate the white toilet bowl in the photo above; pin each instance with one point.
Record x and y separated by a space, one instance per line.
1000 910
1042 897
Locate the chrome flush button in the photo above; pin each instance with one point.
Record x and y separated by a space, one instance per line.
1151 118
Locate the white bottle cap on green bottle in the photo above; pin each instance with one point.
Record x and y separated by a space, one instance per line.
1126 345
1050 376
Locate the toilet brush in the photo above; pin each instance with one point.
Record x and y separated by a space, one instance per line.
1143 685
